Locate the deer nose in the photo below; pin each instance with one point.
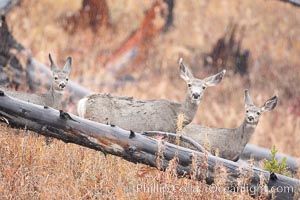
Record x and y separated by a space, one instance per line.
196 95
250 118
62 85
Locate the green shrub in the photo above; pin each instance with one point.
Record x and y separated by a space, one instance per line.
279 167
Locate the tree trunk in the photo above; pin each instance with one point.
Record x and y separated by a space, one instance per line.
10 67
138 43
93 14
134 147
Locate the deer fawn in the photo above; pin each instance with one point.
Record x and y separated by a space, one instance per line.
53 97
231 142
145 115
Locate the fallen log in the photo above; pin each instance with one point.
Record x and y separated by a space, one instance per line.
293 2
7 5
137 148
259 153
255 153
173 136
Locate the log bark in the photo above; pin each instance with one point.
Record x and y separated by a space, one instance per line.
250 152
260 153
293 2
192 144
7 5
133 147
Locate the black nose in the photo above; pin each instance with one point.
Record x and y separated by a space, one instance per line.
196 95
62 85
251 118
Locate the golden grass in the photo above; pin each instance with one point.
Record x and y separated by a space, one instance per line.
29 169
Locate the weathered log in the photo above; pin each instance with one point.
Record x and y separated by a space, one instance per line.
293 2
250 152
7 5
260 153
172 136
134 147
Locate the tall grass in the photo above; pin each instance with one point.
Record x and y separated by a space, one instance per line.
32 170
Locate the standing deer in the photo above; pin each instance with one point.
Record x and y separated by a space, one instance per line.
231 142
144 115
54 96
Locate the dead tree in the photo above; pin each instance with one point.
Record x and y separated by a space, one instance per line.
134 147
138 43
227 53
10 67
170 16
93 14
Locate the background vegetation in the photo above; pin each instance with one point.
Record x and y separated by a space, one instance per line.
31 169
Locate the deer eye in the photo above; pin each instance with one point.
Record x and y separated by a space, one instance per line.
203 87
258 113
247 111
55 78
189 85
67 79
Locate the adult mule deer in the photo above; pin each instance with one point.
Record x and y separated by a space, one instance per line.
231 142
54 95
144 115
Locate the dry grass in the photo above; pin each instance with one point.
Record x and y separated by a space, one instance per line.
32 170
29 169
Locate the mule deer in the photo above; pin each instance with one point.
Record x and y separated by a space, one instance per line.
53 97
145 115
231 142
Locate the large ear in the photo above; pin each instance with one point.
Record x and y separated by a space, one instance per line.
215 79
248 100
68 65
270 104
185 73
52 64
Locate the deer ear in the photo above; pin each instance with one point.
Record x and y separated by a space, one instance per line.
185 73
52 64
248 100
68 65
215 79
270 104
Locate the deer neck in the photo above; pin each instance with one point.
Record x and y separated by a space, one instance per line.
53 97
245 131
188 109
